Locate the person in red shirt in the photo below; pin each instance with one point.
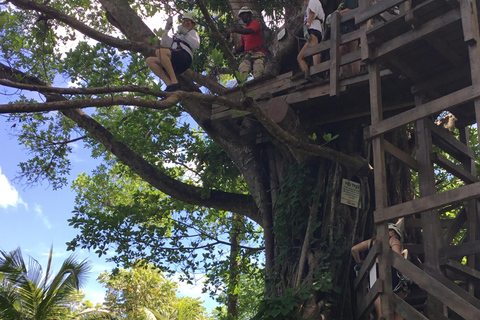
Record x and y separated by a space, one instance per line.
251 44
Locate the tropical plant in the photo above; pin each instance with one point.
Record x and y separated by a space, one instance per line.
27 293
144 291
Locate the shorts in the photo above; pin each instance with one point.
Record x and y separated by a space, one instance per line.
316 33
348 26
181 61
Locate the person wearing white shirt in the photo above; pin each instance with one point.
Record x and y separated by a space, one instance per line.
176 54
313 30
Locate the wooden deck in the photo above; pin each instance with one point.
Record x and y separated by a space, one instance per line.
416 64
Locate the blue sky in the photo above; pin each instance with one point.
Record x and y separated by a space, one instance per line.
35 218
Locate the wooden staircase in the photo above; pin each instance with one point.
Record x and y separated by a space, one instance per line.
428 58
447 33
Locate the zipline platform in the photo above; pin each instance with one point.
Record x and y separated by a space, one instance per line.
416 65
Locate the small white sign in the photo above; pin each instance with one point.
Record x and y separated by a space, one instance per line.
350 193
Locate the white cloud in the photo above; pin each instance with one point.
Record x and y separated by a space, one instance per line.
39 212
8 194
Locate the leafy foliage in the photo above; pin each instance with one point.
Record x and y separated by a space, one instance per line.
27 293
133 293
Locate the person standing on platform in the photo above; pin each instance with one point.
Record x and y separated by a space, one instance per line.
251 45
313 31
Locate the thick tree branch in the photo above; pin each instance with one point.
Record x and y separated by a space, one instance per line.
86 30
360 166
238 203
171 98
204 81
170 101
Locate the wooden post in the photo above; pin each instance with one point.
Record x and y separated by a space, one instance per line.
380 180
334 53
432 236
468 9
364 48
426 181
471 207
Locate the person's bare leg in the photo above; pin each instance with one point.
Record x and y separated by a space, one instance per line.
378 307
165 56
155 65
300 58
301 61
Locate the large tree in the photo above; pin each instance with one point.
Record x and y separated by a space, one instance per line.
160 177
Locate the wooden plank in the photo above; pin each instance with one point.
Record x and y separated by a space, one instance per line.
458 223
426 182
400 155
406 310
469 21
448 293
376 9
463 269
462 250
368 263
436 106
454 169
430 202
318 48
435 314
416 34
366 304
335 54
417 223
351 36
448 143
350 57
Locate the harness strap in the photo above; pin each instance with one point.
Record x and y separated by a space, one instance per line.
179 41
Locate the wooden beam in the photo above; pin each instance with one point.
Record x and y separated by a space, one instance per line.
463 249
366 304
463 269
458 223
416 34
448 143
436 106
435 314
376 9
448 293
406 310
368 263
454 169
334 53
426 184
400 155
417 223
430 202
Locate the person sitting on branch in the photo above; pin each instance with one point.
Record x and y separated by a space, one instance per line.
176 54
251 45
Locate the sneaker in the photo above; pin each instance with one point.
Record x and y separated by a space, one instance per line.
173 87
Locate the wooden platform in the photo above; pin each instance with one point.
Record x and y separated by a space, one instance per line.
416 64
